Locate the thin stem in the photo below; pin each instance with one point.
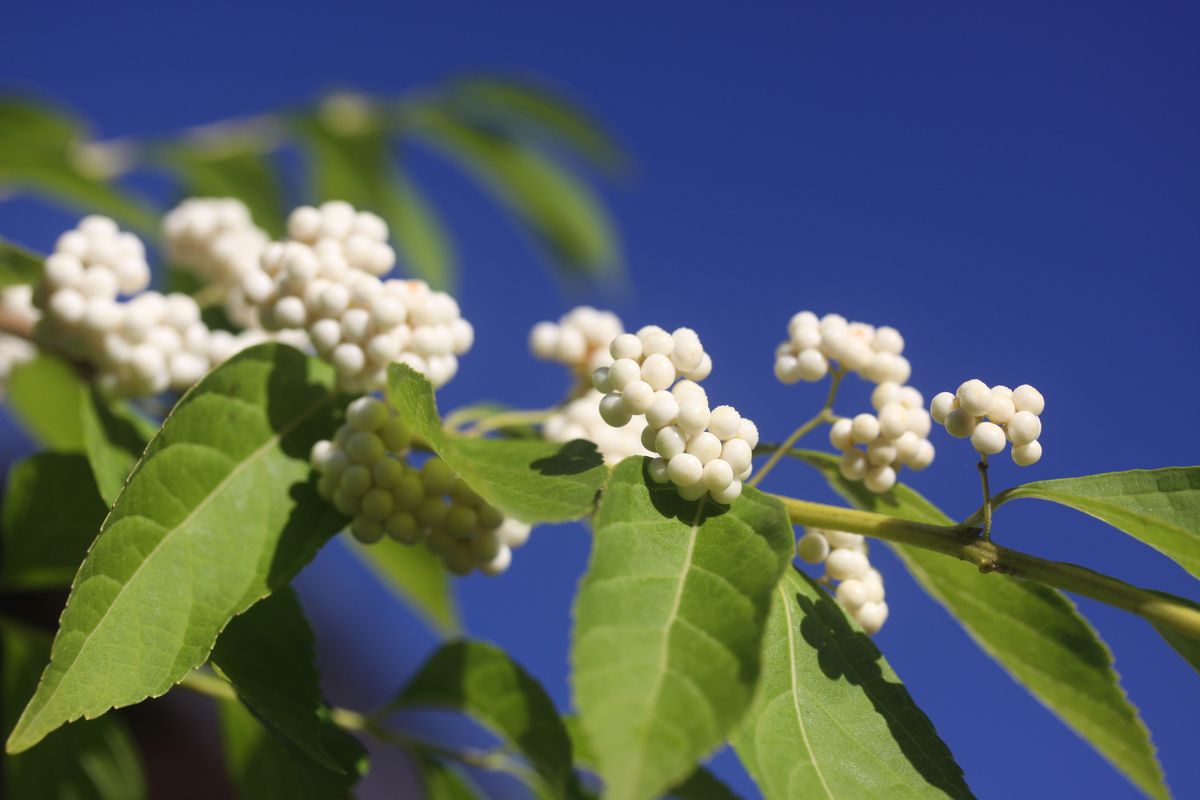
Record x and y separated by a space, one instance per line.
508 419
962 542
824 415
987 498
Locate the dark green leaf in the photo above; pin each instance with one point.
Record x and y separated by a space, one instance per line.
358 167
52 512
114 437
1033 631
561 211
221 511
92 760
46 395
417 576
268 655
236 169
481 681
534 481
669 622
266 768
1160 507
831 718
18 265
530 106
40 150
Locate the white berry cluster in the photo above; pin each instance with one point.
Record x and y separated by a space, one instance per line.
325 280
580 419
701 450
873 353
578 340
16 305
146 345
216 239
365 473
992 417
860 586
896 435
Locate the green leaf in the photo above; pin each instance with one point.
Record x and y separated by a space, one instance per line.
94 760
40 150
268 655
669 620
831 718
17 265
52 512
1186 646
234 169
1033 631
417 576
534 481
45 394
266 768
563 214
444 782
114 437
221 511
358 167
530 105
1160 507
481 681
700 785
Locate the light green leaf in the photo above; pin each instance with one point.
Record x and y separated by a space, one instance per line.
1160 507
669 621
700 785
831 718
1033 631
417 576
114 437
45 394
266 768
234 169
52 512
481 681
221 511
444 782
534 481
17 265
531 106
40 149
561 211
93 760
358 167
268 655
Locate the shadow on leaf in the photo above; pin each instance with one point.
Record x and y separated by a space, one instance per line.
572 458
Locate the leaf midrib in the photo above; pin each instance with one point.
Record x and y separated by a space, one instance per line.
787 610
235 472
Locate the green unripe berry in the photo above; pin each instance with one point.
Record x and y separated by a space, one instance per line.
402 526
377 504
395 435
388 472
364 448
431 512
346 502
409 492
356 480
367 531
437 476
490 517
461 522
486 546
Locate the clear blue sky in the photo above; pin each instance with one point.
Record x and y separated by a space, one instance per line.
1016 189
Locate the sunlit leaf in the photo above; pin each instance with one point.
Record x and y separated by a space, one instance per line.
534 481
221 510
669 622
443 782
1033 631
831 718
1160 507
114 437
237 170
